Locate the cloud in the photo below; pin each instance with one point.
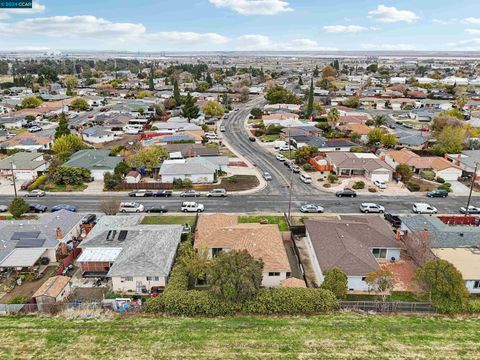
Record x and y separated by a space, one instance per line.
262 42
444 22
31 48
179 37
472 31
344 28
388 47
254 7
391 14
36 8
466 45
471 20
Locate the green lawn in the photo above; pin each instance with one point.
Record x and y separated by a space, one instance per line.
168 220
337 336
394 296
280 220
287 154
64 188
269 138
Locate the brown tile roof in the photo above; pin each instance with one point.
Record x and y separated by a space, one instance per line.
280 116
350 119
346 244
53 286
408 157
260 240
402 156
346 160
360 129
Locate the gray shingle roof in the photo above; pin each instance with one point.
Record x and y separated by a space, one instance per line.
94 159
23 161
196 165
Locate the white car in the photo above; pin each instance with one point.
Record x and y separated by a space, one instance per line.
371 208
310 208
286 148
380 184
35 193
190 206
131 207
423 208
211 136
266 175
280 157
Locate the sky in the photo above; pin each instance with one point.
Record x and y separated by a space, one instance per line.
242 25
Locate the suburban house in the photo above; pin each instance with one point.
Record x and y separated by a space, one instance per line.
11 122
138 258
359 164
26 165
322 144
466 161
440 166
133 177
197 169
55 289
361 129
98 162
410 140
192 150
219 233
28 141
294 108
356 245
24 242
97 135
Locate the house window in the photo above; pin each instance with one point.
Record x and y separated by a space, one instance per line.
273 273
476 284
216 251
153 278
363 278
289 274
127 278
380 253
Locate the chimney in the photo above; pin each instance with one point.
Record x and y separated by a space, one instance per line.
59 233
459 156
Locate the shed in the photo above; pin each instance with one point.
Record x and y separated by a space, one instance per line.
55 289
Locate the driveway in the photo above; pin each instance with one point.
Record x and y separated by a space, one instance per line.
458 188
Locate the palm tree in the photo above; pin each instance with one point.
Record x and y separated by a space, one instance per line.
333 117
379 120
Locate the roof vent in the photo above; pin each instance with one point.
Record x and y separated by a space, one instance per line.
111 235
461 234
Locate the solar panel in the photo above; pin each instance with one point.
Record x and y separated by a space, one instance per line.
25 235
30 243
123 235
111 235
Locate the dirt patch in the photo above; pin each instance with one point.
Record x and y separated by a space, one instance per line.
90 294
232 183
28 288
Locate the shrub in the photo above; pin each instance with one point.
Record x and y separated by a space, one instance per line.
155 305
445 186
372 190
178 279
357 149
308 167
359 185
332 178
18 299
196 303
413 186
38 182
474 306
336 281
440 180
327 185
18 207
427 175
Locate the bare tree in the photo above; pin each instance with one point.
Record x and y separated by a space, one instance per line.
418 247
110 206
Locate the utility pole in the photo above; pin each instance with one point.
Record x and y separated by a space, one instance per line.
471 189
290 187
13 179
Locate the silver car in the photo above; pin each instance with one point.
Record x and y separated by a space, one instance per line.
267 176
371 208
311 208
35 193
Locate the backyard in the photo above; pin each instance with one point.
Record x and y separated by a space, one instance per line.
168 220
330 336
280 220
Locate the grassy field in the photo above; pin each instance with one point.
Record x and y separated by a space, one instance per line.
168 220
339 336
280 220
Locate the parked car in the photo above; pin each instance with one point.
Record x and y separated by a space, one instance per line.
217 193
3 208
472 210
140 193
156 209
162 193
63 207
437 193
280 157
310 208
288 163
35 193
131 207
190 193
222 128
305 178
423 208
89 219
391 126
189 206
287 148
37 208
295 168
252 138
34 128
380 184
371 208
393 219
266 175
211 136
346 193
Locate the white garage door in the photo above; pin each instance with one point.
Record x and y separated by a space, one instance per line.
380 177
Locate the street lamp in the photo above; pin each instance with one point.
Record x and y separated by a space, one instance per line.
13 179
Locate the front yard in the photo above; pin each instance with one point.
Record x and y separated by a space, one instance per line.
231 183
279 220
168 220
333 336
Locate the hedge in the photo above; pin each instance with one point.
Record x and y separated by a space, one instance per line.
155 305
196 303
178 280
413 186
427 175
38 181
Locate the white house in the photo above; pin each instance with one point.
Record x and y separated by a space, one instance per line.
133 177
197 169
26 165
97 135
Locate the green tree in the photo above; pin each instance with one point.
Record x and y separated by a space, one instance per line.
79 104
316 72
66 145
404 171
449 141
111 181
31 102
336 281
456 113
151 84
18 207
176 93
379 120
389 140
300 80
159 110
62 127
72 84
235 276
70 175
381 281
444 285
202 86
309 111
209 80
169 103
122 169
213 109
148 158
256 112
280 95
189 109
375 136
304 153
352 102
333 117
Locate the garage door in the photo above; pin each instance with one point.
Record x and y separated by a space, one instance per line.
380 177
